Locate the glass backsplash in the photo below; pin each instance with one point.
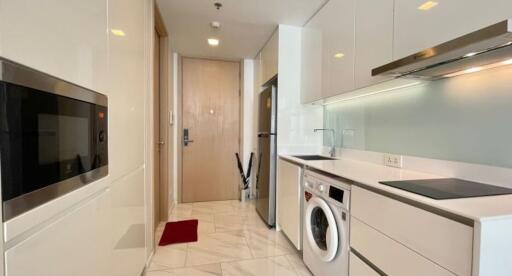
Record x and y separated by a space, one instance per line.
466 118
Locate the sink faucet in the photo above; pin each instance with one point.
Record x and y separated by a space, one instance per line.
332 151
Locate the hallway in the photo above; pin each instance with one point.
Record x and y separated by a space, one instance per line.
233 241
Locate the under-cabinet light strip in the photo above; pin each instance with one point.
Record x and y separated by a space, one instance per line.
373 93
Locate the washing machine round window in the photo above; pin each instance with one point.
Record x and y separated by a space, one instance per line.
321 229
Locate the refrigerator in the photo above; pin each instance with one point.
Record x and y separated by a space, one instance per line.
267 156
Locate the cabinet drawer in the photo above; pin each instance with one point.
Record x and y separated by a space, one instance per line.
360 268
390 256
444 241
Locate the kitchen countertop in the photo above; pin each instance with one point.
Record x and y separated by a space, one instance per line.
369 174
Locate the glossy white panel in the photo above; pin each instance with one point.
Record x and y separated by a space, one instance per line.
359 268
76 244
311 75
289 199
63 38
392 257
126 87
492 248
295 121
127 225
31 220
373 39
445 242
269 58
416 30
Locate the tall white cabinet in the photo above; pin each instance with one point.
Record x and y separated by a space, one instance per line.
342 43
328 51
268 58
373 39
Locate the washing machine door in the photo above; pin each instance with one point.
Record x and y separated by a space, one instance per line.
321 229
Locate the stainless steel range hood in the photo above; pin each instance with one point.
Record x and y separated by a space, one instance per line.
485 48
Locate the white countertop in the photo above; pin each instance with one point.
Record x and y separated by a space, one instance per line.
476 208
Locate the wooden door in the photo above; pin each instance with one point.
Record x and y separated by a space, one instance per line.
156 129
211 95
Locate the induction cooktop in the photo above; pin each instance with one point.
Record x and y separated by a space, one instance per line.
447 188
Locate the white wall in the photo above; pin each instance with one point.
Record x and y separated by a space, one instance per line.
99 229
248 131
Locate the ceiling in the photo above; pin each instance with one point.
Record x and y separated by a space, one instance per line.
245 24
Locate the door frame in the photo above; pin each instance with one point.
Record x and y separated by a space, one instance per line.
161 193
179 121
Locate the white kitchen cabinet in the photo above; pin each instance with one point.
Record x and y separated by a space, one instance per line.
289 198
446 242
359 268
76 244
416 30
391 256
328 51
373 39
269 58
53 37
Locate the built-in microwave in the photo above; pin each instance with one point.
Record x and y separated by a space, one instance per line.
53 137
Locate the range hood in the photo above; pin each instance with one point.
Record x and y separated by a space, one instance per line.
486 48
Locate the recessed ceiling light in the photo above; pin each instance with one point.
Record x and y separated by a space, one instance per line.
117 32
213 42
427 5
473 70
215 24
339 55
508 62
470 54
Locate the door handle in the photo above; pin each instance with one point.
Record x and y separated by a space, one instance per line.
161 143
186 139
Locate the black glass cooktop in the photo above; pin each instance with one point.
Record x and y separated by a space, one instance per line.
447 188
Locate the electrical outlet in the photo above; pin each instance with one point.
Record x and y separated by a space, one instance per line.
392 160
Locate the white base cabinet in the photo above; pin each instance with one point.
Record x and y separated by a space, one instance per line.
359 268
289 198
76 244
384 228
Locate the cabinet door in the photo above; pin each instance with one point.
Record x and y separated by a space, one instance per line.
311 73
360 268
76 244
417 29
374 39
269 58
289 177
330 38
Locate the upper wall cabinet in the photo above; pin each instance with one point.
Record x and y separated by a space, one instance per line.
53 37
374 39
418 26
328 51
269 58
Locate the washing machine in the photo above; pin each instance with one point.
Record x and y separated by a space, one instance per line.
325 236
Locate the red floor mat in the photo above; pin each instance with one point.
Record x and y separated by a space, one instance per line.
179 232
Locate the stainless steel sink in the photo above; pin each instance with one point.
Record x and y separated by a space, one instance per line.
313 157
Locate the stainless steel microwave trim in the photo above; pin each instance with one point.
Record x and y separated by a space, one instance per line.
18 74
23 203
485 40
423 206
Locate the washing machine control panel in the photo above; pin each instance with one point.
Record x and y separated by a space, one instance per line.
329 188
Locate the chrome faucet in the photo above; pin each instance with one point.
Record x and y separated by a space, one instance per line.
332 151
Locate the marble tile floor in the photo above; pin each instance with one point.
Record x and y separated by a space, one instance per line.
233 241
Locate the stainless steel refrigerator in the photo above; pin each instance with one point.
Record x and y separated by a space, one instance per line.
267 156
